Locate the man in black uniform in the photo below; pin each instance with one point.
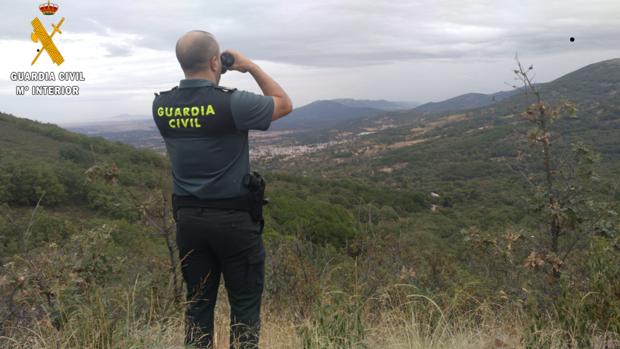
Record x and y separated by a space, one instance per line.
205 128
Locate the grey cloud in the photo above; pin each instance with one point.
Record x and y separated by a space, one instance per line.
400 50
352 32
118 50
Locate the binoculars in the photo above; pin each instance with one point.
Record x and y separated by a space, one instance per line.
227 61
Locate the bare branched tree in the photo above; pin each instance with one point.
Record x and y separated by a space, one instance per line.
560 180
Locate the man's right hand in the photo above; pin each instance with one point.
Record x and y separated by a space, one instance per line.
242 63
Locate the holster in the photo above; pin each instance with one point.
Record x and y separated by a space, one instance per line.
256 185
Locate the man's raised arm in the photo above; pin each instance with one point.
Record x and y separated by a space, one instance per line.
282 104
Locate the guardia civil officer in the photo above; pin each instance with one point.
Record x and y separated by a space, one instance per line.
217 201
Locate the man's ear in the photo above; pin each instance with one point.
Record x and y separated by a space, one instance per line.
214 64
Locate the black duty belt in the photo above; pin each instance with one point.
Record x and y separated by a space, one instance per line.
252 202
241 203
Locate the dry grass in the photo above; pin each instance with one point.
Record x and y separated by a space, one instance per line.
393 332
393 327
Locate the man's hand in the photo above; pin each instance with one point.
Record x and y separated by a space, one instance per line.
242 63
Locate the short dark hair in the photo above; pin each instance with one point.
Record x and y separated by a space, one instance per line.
195 49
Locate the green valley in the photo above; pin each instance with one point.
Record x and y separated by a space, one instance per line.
426 229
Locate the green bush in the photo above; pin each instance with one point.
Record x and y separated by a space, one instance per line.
112 200
76 154
317 221
26 181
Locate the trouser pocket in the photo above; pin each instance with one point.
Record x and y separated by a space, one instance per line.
255 276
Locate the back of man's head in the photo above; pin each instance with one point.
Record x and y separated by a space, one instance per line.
195 50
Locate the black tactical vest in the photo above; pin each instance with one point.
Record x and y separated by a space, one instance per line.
209 156
194 112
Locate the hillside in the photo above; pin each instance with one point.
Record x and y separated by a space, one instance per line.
467 156
68 171
407 138
418 231
88 216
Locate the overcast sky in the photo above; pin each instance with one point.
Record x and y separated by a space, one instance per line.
424 50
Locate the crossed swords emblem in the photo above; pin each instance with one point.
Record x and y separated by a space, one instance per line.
40 34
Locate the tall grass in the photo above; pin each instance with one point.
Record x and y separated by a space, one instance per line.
84 295
118 319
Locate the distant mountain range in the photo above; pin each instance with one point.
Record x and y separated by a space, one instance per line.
466 101
376 104
324 114
344 114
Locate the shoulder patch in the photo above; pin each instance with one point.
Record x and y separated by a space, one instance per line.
225 89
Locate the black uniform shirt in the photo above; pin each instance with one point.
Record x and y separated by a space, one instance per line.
205 129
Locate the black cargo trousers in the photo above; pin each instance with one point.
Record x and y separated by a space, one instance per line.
214 242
